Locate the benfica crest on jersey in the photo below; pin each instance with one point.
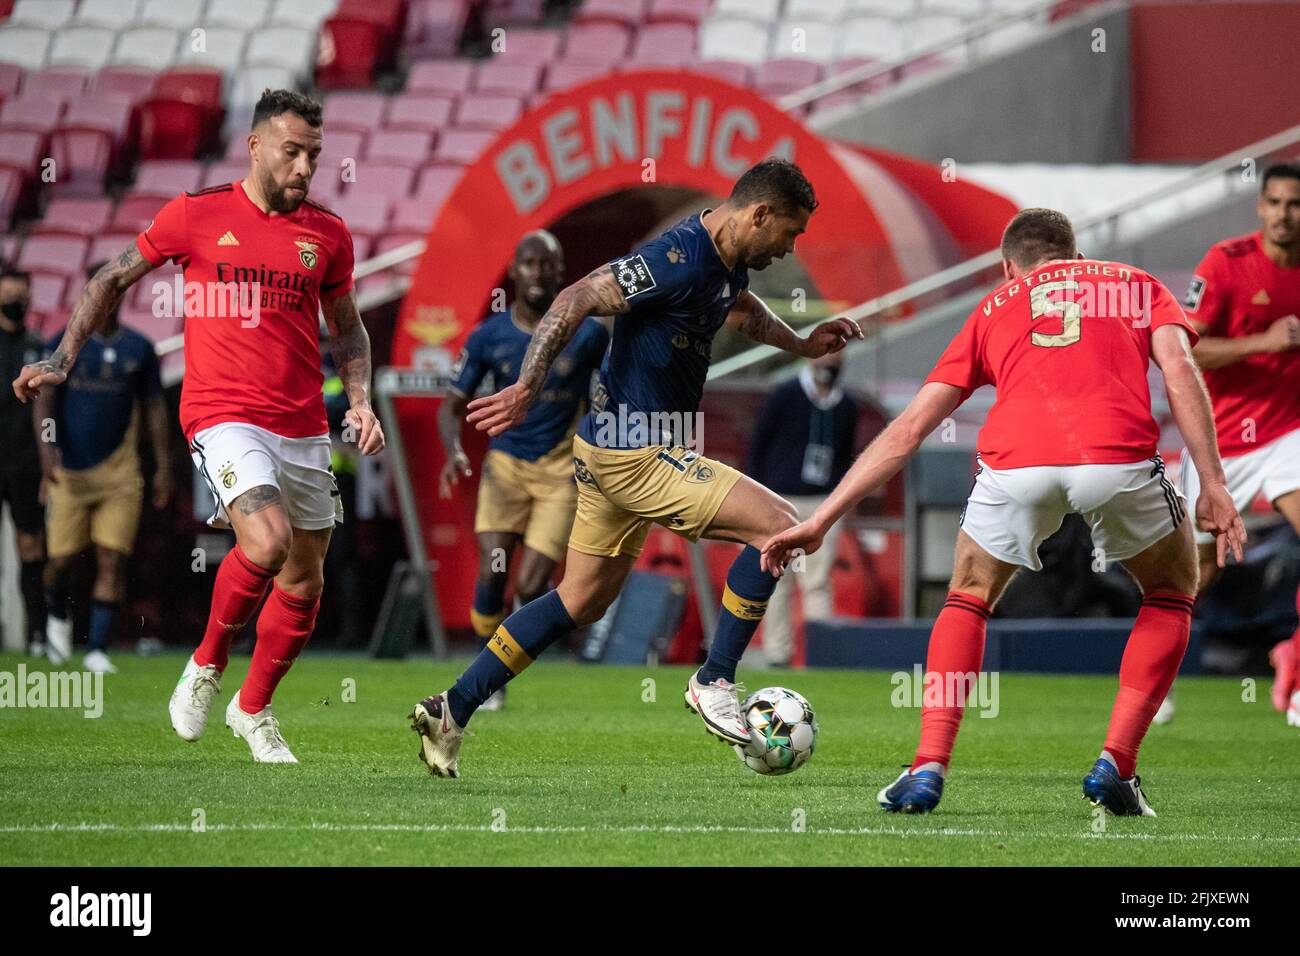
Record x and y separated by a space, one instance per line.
306 252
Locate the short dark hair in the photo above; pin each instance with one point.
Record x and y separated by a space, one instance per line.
275 102
778 182
1279 171
1035 235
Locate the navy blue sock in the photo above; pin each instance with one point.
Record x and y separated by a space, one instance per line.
102 614
744 601
516 644
488 610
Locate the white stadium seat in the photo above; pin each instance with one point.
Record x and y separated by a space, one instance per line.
828 10
50 14
241 13
308 14
90 47
817 41
223 49
892 9
1010 36
762 11
874 37
154 47
249 84
179 14
26 46
923 31
107 13
966 9
741 40
290 47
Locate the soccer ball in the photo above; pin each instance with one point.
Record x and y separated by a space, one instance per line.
782 731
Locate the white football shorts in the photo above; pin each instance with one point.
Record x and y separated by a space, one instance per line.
1273 469
1129 506
235 456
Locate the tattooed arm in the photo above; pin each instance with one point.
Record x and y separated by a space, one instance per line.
751 317
596 294
350 349
98 301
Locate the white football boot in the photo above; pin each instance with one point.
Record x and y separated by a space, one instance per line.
58 639
496 702
1165 713
1293 712
192 699
261 731
440 736
97 662
718 705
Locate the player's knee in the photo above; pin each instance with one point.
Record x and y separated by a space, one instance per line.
586 605
307 587
1206 573
267 548
56 572
30 547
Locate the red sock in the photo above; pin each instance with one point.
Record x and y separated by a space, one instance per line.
956 647
282 632
1154 651
1295 647
240 585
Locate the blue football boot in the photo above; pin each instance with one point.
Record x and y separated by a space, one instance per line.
912 792
1124 798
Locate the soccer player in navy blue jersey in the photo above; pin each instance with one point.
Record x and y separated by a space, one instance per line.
526 493
636 457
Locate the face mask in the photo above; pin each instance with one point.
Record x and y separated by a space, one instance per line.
826 375
15 311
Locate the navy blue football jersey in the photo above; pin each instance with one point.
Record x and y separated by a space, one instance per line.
497 347
678 293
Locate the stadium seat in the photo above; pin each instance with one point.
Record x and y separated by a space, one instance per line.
136 82
227 171
152 47
418 111
167 177
833 101
60 255
350 51
830 11
37 113
535 45
891 9
21 151
1010 36
221 48
24 46
107 13
382 180
730 71
46 14
1004 7
326 186
176 14
760 11
488 111
605 43
249 84
192 84
924 31
966 9
11 78
87 46
155 328
514 11
306 14
47 292
743 41
568 73
627 13
435 27
365 214
282 46
341 145
436 183
108 246
417 214
405 148
89 144
63 82
804 40
448 77
868 36
174 129
134 213
690 12
668 44
776 78
143 294
395 240
75 217
515 79
358 111
247 14
462 146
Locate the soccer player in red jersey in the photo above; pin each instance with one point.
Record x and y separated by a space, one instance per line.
1066 342
261 262
1244 300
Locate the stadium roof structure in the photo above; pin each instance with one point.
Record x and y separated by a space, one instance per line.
612 144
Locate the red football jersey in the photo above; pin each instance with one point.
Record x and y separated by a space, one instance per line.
1239 290
1067 347
252 351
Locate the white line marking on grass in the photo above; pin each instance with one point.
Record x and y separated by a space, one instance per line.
631 829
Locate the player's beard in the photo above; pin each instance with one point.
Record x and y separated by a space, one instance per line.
281 199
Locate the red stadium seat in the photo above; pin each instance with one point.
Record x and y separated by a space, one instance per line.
436 183
462 146
70 216
190 84
605 43
33 112
419 111
393 240
153 327
47 291
167 177
729 70
326 186
134 213
447 77
357 111
21 151
143 293
516 79
691 12
90 142
775 78
226 171
365 215
133 81
60 255
488 111
435 27
108 246
11 76
397 146
514 11
173 129
567 73
376 180
11 190
669 44
539 46
64 82
417 214
351 51
627 13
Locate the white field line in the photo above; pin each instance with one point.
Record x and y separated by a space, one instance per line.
639 828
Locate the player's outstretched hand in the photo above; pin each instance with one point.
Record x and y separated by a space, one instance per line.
453 470
803 539
29 381
497 413
366 427
1216 513
1283 335
830 337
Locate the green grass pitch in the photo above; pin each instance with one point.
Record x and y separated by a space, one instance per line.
582 770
